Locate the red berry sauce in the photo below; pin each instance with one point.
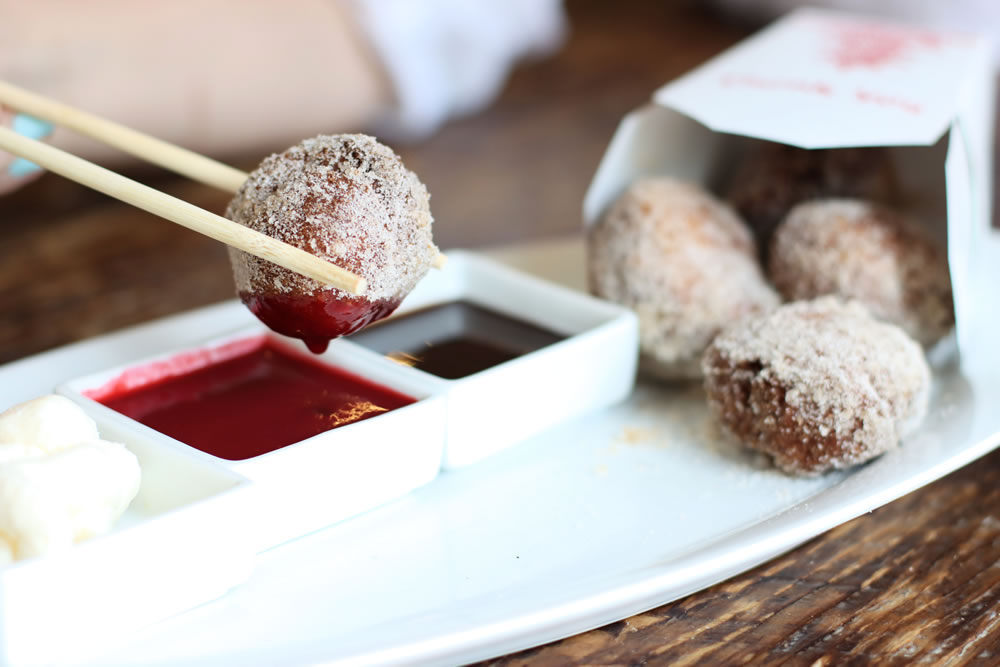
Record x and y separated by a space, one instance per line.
318 318
249 402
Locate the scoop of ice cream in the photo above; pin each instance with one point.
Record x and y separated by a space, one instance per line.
49 422
59 482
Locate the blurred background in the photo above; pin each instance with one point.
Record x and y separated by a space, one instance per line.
508 163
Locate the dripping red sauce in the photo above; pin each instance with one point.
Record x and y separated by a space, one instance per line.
245 399
317 318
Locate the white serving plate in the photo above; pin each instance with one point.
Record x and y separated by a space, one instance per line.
183 541
318 481
584 524
488 411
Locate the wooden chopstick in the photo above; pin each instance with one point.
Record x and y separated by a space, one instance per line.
179 211
143 146
174 158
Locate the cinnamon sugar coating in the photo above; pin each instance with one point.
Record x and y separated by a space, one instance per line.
817 385
773 178
858 250
345 198
684 262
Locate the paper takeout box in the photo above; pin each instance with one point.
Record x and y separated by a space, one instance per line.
824 79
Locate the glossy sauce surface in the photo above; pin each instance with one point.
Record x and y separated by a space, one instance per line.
253 403
316 319
455 340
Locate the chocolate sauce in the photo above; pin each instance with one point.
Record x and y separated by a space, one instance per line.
454 340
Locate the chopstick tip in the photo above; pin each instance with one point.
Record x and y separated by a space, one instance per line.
360 286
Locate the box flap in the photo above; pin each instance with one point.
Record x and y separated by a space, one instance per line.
823 79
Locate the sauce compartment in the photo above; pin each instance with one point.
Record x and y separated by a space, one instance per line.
513 354
260 400
324 437
455 340
184 540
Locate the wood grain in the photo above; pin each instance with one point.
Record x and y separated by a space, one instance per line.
71 277
917 581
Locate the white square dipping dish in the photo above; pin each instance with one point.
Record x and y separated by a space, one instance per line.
591 367
317 481
184 541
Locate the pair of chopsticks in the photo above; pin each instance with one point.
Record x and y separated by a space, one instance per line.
184 162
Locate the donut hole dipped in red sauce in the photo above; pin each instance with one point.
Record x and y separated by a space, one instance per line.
344 198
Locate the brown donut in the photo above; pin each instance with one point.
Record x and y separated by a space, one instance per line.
772 178
684 262
867 252
817 385
345 198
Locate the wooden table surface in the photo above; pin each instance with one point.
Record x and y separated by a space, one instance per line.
915 581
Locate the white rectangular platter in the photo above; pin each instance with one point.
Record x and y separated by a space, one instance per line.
587 523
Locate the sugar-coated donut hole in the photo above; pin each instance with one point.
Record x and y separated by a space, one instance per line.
772 178
344 198
859 250
817 385
684 262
